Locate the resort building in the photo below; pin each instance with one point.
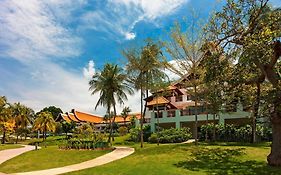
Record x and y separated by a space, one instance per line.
98 121
175 107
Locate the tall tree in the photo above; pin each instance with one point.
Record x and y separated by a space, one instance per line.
125 113
111 84
22 116
185 49
45 122
55 111
251 29
144 66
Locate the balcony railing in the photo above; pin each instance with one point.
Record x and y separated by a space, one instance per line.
158 114
171 113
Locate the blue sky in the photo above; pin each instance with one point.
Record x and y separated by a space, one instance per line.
50 48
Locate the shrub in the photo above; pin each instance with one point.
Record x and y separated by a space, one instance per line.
231 133
123 130
135 134
172 135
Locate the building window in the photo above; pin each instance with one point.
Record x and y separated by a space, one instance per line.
158 116
179 98
188 97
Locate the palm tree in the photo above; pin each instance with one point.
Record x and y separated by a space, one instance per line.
111 84
22 115
5 115
144 66
125 112
45 122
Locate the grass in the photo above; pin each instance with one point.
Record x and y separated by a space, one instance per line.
9 146
218 158
49 157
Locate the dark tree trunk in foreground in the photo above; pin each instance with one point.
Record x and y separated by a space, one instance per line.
274 158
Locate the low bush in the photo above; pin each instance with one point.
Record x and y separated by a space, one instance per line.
171 135
231 133
135 134
123 130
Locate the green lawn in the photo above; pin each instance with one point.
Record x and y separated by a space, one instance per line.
9 146
46 158
177 159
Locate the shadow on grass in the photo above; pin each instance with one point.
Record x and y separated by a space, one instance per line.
225 161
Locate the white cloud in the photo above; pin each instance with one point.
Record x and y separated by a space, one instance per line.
89 71
130 36
120 16
30 30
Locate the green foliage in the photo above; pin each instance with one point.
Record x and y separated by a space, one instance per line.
171 135
135 134
55 111
92 141
123 130
231 133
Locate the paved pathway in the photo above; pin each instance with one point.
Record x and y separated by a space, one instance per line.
118 153
11 153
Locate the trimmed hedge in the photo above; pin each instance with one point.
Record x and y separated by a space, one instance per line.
83 144
171 135
231 133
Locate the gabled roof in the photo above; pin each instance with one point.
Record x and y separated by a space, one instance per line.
85 117
72 117
65 117
158 100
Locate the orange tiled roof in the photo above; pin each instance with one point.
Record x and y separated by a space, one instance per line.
72 117
65 117
158 100
87 117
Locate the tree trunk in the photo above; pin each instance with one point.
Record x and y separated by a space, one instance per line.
255 112
17 138
141 119
157 121
4 135
274 158
207 121
214 127
115 113
196 117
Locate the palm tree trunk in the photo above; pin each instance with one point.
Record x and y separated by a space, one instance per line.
115 113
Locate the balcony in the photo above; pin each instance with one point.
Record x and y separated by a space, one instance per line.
171 113
158 115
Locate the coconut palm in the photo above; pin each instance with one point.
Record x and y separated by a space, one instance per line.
112 86
144 67
5 115
22 117
45 122
125 113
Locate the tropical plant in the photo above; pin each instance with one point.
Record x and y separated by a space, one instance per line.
5 116
22 116
45 122
251 30
125 113
52 109
111 84
67 127
144 67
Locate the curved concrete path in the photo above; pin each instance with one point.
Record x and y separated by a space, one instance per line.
11 153
118 153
